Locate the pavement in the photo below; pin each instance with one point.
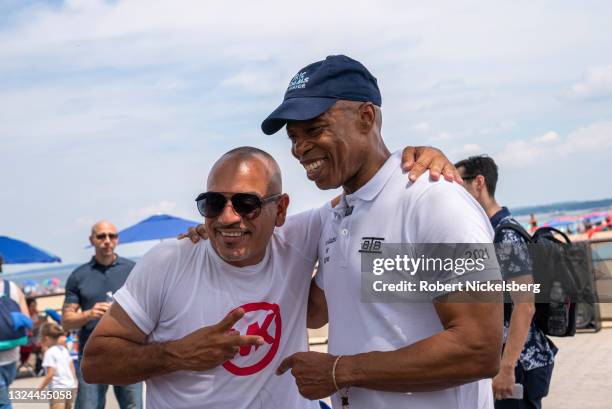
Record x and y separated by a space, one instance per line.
582 375
582 378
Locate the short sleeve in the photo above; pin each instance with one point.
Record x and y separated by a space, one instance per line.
50 358
72 290
445 213
513 255
303 231
142 294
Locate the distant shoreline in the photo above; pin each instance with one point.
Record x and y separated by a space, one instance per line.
562 207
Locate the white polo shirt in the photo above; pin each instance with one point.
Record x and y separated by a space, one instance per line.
179 287
391 208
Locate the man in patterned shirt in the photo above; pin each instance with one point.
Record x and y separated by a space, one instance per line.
528 356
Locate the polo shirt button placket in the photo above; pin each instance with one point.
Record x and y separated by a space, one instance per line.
345 237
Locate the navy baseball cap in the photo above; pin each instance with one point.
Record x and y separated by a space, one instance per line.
316 87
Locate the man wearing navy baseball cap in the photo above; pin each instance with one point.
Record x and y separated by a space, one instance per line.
434 355
318 86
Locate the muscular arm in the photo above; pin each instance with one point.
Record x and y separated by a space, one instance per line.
72 318
317 307
116 352
467 350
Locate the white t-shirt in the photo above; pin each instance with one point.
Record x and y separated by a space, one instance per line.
58 358
9 356
391 208
179 287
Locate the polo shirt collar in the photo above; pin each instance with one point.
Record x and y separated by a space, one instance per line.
375 185
93 262
499 216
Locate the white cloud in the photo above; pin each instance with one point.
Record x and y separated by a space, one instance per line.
500 127
163 207
593 139
597 83
253 82
548 137
466 150
518 154
421 127
472 149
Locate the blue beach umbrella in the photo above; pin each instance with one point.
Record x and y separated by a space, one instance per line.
157 227
15 251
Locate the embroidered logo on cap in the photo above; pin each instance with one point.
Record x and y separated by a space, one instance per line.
298 81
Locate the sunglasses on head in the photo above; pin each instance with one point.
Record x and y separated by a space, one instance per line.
247 205
111 236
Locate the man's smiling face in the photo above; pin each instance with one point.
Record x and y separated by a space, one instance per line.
236 239
330 146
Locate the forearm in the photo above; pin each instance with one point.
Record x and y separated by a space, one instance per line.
45 382
315 320
316 316
317 307
520 321
75 320
444 360
117 361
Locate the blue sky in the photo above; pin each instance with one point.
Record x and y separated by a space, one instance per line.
117 109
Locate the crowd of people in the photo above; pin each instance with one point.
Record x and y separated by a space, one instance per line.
219 318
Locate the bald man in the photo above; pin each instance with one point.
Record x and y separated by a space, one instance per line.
206 325
88 291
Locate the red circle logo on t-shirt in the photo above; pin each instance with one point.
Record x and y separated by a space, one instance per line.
266 314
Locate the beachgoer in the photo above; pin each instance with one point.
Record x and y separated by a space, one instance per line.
9 357
533 223
60 375
381 352
528 356
33 346
87 290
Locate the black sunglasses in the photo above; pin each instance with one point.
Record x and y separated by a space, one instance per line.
111 236
247 205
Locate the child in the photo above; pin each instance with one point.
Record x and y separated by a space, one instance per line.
60 375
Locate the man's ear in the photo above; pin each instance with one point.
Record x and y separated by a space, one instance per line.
91 240
281 210
367 116
480 183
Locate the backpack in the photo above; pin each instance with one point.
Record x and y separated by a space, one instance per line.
14 325
562 270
